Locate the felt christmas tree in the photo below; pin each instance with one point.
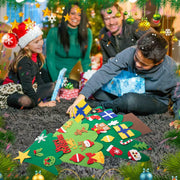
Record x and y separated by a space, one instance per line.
44 152
83 150
116 136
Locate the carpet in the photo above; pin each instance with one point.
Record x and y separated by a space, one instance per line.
28 124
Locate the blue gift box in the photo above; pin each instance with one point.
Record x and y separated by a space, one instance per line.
125 82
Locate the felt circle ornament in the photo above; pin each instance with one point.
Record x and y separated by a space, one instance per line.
9 40
49 161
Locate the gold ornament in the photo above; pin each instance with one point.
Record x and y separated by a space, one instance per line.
144 25
38 176
174 39
162 32
46 12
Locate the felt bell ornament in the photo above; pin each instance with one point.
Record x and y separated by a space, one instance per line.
144 25
174 39
38 176
130 20
9 40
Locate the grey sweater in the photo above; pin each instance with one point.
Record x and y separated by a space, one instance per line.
160 81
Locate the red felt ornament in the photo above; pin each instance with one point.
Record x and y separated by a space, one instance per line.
77 157
9 40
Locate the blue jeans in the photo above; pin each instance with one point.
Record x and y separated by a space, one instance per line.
141 104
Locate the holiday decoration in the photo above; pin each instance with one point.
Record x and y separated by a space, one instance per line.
46 12
157 16
109 11
81 110
1 176
130 20
93 13
107 115
80 141
52 18
174 178
45 152
9 40
168 32
144 25
134 155
125 13
110 138
38 176
162 32
146 175
67 17
174 39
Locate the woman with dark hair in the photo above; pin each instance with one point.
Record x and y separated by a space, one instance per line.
69 43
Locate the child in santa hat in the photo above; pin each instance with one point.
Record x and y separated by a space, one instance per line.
24 88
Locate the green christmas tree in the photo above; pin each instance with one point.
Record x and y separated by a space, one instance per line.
84 149
117 138
43 152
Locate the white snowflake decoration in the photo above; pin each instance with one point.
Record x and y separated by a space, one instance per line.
51 18
7 39
41 138
168 32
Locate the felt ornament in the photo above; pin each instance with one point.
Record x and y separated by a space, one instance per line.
77 157
100 128
113 123
22 156
81 110
107 115
95 157
126 142
91 118
61 130
85 144
114 150
107 138
123 131
134 155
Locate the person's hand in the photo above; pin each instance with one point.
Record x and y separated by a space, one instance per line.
58 99
70 110
47 104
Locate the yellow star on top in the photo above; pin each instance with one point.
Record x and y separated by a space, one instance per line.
46 12
23 156
67 17
38 5
5 18
14 24
21 14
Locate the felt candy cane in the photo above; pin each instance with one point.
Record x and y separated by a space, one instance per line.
127 142
59 83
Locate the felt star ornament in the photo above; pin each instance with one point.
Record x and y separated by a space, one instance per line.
67 17
41 138
5 18
14 24
46 12
23 156
37 5
21 14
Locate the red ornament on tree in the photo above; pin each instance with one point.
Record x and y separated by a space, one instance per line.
9 40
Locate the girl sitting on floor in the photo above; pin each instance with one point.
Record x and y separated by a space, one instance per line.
24 88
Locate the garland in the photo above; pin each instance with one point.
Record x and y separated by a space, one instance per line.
175 4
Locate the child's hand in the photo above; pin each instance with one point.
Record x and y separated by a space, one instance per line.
70 110
58 99
47 104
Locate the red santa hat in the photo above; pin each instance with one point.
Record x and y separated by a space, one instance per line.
26 32
88 143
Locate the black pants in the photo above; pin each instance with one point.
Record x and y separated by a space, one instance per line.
141 104
17 100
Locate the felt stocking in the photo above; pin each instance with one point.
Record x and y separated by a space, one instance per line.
114 150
